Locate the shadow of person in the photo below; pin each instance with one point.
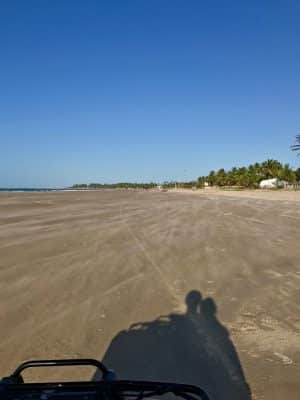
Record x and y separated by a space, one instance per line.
193 348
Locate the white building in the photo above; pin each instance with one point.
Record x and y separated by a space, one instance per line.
272 183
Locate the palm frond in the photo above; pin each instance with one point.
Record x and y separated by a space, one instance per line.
296 147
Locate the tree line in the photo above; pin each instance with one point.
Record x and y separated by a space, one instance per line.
247 177
119 185
250 176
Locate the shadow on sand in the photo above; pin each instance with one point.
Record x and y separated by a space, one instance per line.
190 348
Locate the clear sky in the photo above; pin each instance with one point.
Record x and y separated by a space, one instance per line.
140 90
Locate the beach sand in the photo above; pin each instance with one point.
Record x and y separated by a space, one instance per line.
78 268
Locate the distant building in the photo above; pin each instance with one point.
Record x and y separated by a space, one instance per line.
272 183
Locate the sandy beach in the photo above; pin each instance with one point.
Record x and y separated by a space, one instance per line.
263 194
105 275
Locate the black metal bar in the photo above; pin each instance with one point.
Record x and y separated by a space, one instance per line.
61 363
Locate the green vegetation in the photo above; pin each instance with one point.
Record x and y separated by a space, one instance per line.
120 185
134 185
179 185
296 147
242 177
249 177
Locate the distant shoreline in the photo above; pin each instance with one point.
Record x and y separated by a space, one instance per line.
29 190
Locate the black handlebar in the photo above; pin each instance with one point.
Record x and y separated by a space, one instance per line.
107 374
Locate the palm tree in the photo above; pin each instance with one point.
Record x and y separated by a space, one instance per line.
211 179
271 168
287 174
296 147
221 177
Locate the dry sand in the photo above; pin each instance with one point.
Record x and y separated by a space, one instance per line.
76 269
264 194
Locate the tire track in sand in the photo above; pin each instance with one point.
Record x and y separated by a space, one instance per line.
170 288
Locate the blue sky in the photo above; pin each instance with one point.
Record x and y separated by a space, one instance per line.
142 90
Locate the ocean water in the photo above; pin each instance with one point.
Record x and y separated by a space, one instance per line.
28 190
